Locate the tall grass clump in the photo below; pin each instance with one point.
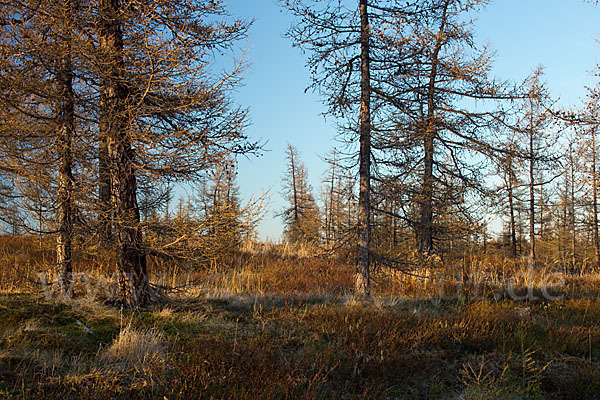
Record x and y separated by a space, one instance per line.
137 347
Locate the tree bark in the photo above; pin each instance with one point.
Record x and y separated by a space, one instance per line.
595 199
133 286
65 128
573 233
362 279
542 205
329 216
104 197
426 236
511 205
294 189
520 226
110 59
563 231
531 197
429 132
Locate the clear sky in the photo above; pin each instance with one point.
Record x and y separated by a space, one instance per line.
559 34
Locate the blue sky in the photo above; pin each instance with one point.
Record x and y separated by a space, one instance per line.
559 34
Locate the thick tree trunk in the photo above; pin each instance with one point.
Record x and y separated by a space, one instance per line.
65 128
133 286
362 279
111 62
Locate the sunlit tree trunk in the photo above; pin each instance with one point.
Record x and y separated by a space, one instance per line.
362 280
426 235
511 206
330 215
531 157
65 129
133 286
520 230
430 129
104 198
573 232
294 186
595 199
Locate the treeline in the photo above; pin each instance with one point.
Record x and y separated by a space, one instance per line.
108 106
441 147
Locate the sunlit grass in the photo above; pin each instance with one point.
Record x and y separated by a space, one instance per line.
275 324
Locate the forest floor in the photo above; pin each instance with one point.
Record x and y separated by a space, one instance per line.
274 325
300 347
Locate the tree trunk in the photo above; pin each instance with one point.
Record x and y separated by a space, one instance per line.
294 189
511 205
426 235
595 199
362 279
133 286
104 190
531 201
338 228
429 132
330 216
65 128
573 233
562 248
542 205
394 227
107 109
520 230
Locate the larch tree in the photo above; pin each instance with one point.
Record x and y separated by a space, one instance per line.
301 217
591 156
222 209
165 114
347 48
331 199
444 111
65 135
508 170
133 284
362 284
145 87
337 197
39 40
207 229
534 128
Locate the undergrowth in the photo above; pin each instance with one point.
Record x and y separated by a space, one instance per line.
279 324
221 348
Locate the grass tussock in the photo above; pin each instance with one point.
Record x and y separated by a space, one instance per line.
136 347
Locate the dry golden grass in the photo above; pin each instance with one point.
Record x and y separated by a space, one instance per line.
275 323
282 269
144 350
